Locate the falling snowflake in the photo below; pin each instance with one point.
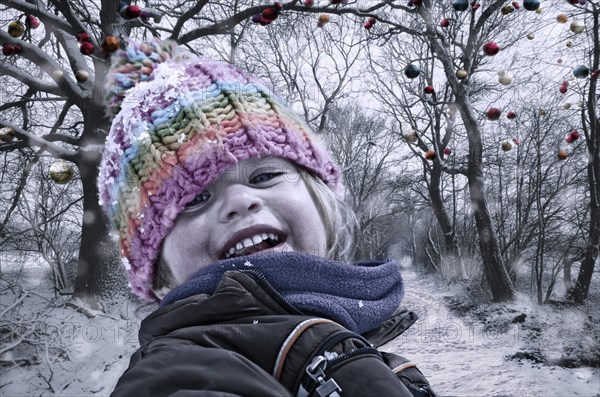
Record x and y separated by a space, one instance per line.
360 304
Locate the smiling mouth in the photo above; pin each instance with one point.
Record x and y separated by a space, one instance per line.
254 244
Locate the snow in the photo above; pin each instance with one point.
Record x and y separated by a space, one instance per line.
462 350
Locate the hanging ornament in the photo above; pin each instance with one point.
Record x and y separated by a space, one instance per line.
447 151
506 146
81 76
370 22
569 44
511 115
491 48
411 136
516 5
444 23
493 114
530 36
308 3
87 48
323 20
82 37
538 11
57 75
580 104
531 5
460 5
562 154
412 71
111 44
572 136
461 74
563 87
476 6
581 71
430 155
31 21
504 77
61 172
542 112
516 141
577 27
559 61
428 89
131 11
8 49
416 3
7 135
506 10
16 29
561 18
567 106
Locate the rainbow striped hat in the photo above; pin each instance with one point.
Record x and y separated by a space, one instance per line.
179 122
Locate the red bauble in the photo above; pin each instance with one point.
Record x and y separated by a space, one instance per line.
428 89
270 14
516 141
574 135
563 89
516 5
493 113
417 2
278 6
18 49
133 11
82 36
444 23
491 48
476 6
32 22
447 151
511 115
8 49
309 3
86 48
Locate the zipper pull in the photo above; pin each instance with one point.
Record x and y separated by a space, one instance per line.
316 370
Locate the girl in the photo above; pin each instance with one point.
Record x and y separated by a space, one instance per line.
230 213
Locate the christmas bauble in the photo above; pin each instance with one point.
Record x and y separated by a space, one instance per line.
561 18
531 5
7 135
562 154
16 29
567 106
460 5
61 172
581 71
577 27
57 74
444 23
493 113
82 36
86 48
309 3
447 151
569 44
430 154
563 89
31 21
504 78
133 11
110 44
530 36
323 20
491 48
461 74
507 10
81 76
8 49
412 71
411 136
516 5
511 115
428 89
506 146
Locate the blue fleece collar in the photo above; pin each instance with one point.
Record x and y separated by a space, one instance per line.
358 296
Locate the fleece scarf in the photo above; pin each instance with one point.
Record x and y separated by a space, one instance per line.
358 296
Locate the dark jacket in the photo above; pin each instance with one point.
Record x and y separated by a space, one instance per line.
245 340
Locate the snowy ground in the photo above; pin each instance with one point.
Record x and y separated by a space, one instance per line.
67 350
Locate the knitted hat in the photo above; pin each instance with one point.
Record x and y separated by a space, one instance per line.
179 122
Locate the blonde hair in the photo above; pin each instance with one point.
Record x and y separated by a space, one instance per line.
339 220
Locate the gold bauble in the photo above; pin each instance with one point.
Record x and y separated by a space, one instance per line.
538 11
82 76
57 74
569 44
506 146
577 27
461 74
411 136
561 18
7 134
566 105
16 29
61 172
531 36
323 20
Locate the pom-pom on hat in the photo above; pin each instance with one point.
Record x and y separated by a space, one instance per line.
179 122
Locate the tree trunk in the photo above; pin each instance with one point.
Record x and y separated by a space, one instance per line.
453 255
493 266
592 134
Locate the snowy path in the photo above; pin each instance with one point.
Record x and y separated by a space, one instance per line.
461 359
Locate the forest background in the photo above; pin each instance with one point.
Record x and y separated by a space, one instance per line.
468 132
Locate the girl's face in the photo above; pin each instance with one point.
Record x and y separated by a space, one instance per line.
258 205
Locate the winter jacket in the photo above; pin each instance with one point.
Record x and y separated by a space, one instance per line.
244 339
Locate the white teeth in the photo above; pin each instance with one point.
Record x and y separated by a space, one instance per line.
249 242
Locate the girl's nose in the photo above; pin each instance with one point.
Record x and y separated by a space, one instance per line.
238 200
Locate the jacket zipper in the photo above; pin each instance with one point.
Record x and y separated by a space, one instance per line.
262 280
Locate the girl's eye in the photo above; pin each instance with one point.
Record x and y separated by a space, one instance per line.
264 177
199 199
